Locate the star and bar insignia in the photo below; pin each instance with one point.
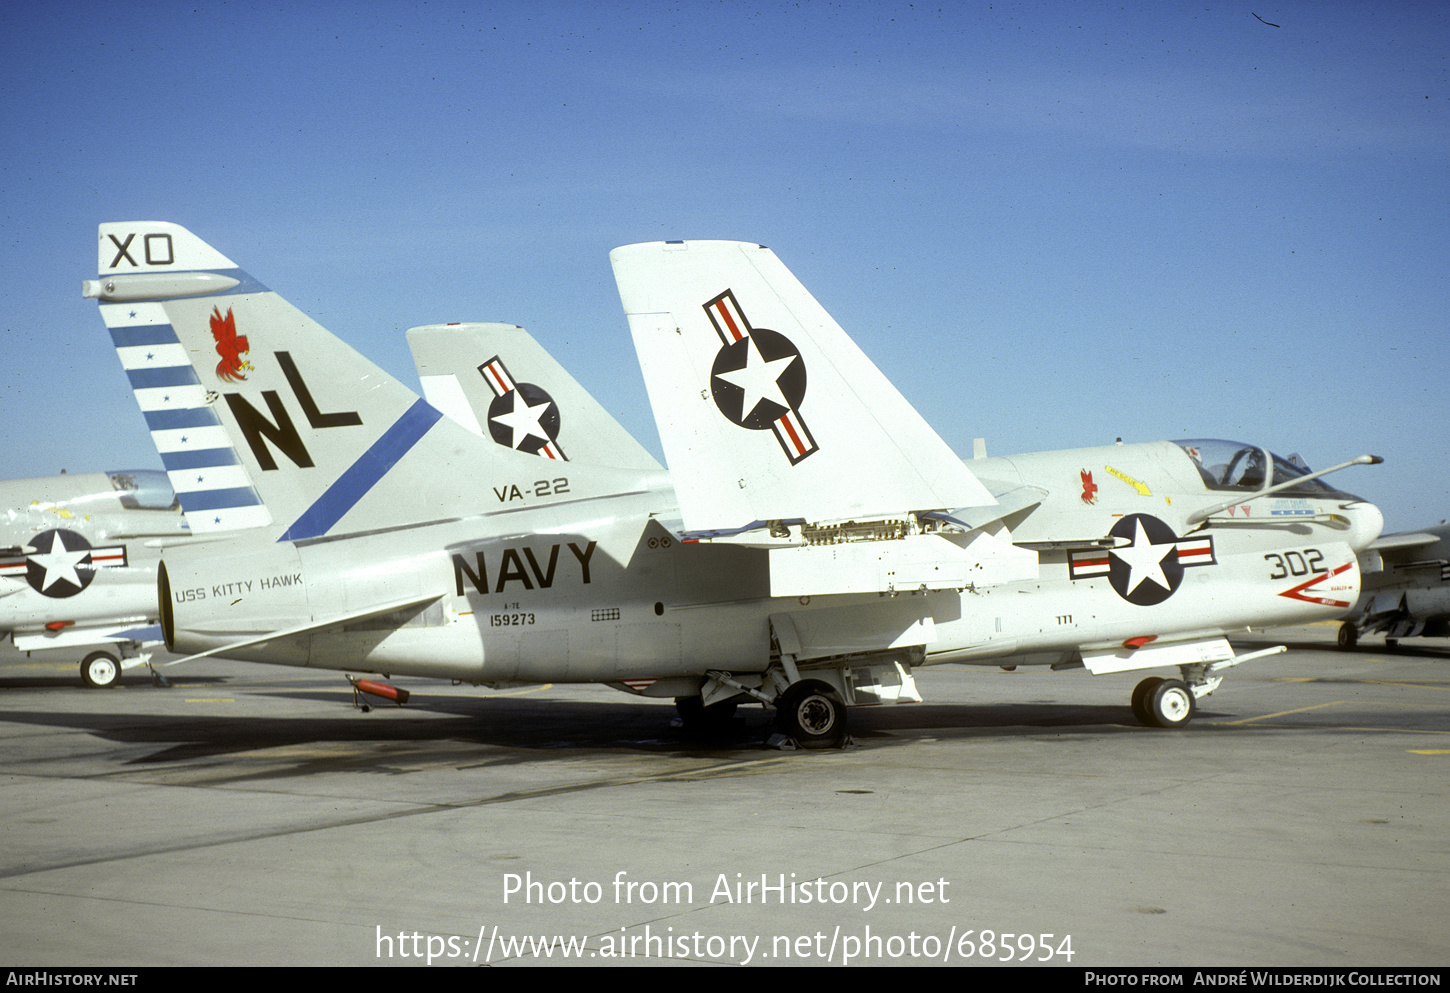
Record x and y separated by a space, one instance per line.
60 563
759 378
522 416
1149 569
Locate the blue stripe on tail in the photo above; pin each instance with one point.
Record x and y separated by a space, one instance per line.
363 474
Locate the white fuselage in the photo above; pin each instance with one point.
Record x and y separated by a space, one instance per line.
599 591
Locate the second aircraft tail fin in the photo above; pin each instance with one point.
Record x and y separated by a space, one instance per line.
500 383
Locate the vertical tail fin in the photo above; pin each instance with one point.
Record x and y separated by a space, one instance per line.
138 265
500 383
261 416
766 408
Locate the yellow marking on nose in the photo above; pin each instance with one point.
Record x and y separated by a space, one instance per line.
1142 488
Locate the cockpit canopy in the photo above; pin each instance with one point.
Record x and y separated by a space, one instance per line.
144 489
1236 467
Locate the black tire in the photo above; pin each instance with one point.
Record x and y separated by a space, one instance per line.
812 714
1348 636
1392 644
100 670
1140 700
1171 704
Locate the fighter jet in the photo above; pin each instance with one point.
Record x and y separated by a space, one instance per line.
814 542
77 569
1406 588
1125 557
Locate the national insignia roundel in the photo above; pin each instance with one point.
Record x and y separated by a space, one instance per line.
516 418
780 356
758 379
521 416
1149 567
1147 570
60 565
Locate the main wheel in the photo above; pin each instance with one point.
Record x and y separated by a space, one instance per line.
1171 704
100 669
1140 700
1348 636
812 714
1392 644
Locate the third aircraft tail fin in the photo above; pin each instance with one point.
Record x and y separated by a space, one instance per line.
766 408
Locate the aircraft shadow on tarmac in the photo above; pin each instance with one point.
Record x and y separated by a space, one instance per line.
71 683
531 727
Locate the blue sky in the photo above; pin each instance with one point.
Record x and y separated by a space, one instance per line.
1050 225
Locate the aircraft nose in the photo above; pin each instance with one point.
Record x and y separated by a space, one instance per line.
1365 523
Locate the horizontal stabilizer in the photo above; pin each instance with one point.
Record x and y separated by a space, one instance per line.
766 408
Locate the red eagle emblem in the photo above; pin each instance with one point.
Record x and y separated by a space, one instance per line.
230 346
1089 488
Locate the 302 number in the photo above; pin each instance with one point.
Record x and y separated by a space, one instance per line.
1294 563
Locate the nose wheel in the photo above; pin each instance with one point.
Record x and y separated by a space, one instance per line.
1163 703
100 670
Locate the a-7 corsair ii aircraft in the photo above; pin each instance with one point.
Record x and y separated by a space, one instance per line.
834 542
78 566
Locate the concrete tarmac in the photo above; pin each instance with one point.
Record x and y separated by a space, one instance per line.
248 815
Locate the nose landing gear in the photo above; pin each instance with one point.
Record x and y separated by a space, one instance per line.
1163 703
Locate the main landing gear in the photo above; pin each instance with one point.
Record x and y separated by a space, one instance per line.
1163 703
810 710
812 713
1348 636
